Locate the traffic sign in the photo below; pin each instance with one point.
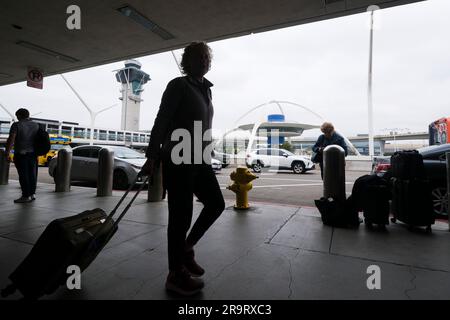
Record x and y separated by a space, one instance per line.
35 78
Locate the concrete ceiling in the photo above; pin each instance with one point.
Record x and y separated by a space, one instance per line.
107 36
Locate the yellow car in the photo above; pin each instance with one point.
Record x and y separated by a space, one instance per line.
57 142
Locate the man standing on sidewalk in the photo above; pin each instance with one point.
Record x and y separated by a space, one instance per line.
22 135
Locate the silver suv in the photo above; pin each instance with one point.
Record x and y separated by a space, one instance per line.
279 159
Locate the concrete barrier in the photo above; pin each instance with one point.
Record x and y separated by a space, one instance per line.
105 172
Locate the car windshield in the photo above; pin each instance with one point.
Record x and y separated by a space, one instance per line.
126 153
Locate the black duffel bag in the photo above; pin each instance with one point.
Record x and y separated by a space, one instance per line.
341 214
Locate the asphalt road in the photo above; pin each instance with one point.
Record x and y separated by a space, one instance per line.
282 187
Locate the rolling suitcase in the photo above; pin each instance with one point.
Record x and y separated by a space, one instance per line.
74 240
371 195
376 209
407 165
412 203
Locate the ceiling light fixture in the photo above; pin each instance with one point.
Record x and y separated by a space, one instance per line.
138 17
46 51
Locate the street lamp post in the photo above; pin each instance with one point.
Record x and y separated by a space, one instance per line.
369 91
93 114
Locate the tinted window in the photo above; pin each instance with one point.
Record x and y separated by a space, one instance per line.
281 153
94 153
81 152
432 156
262 152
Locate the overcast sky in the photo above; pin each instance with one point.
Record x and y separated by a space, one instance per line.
321 65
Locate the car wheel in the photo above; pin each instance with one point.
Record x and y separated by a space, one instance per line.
440 201
257 167
120 180
298 167
48 161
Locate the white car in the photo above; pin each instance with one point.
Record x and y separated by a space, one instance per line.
216 165
278 159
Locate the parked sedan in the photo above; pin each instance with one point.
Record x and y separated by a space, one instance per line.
127 164
436 170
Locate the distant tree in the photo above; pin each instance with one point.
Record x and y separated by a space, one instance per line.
287 146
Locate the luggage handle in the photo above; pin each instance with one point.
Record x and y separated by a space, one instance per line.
113 212
132 185
131 201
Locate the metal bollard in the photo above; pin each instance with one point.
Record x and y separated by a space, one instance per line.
334 172
155 187
105 172
448 188
63 170
4 167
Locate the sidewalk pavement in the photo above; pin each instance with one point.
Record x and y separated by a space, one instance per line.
272 252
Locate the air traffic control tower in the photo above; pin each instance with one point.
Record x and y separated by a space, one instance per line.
133 80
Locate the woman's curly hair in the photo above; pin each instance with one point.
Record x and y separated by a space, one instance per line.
194 46
327 127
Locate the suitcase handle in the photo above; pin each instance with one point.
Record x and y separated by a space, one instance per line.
131 201
113 212
132 185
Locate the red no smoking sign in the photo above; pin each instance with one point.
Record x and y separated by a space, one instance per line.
35 78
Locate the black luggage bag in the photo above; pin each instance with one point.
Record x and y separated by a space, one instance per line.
376 209
412 203
407 165
335 213
371 194
74 240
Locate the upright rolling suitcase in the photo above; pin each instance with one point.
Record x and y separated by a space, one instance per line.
407 165
376 209
371 195
412 203
74 240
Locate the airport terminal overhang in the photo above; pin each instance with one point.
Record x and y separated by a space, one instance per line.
34 33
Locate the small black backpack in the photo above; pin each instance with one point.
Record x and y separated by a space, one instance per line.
41 142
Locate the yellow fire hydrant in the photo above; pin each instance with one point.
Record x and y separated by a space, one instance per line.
242 178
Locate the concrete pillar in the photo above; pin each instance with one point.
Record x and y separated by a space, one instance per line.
334 172
155 187
105 172
4 167
63 170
